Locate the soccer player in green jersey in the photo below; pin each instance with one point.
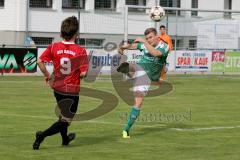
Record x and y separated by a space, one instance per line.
145 71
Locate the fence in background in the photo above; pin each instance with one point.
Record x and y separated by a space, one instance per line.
204 40
104 21
102 62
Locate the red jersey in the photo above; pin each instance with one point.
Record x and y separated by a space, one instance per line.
69 61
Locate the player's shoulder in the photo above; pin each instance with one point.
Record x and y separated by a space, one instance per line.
164 48
140 46
163 45
57 44
169 37
165 37
73 46
80 49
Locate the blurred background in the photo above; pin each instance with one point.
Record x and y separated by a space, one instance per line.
194 25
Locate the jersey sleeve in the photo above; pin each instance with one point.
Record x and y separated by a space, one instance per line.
84 62
139 46
47 55
165 54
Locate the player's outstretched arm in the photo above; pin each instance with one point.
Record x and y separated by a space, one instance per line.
150 48
43 68
131 46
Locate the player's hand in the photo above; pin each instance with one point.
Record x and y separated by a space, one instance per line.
123 47
83 75
140 39
120 50
47 78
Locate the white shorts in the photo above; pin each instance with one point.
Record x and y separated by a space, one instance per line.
140 80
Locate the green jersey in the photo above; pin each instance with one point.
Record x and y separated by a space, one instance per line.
153 64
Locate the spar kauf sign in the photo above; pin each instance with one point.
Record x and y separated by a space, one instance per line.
193 61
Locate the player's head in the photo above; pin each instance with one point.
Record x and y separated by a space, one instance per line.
162 29
69 28
151 36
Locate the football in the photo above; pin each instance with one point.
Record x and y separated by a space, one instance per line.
157 13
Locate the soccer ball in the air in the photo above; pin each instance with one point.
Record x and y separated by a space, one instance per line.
157 13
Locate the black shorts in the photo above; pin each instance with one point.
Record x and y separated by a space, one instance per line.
67 104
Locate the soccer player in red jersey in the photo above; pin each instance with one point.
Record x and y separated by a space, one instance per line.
70 65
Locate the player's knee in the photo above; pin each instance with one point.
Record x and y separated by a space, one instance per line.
140 94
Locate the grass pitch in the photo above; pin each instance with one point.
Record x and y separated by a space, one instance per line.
198 120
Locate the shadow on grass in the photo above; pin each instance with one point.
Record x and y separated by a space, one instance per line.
104 139
79 142
93 140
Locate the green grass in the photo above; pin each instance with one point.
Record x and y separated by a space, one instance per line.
27 105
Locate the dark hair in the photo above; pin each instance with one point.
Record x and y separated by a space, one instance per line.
150 30
69 27
162 26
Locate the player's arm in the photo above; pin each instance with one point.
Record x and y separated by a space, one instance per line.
84 64
150 48
45 57
123 47
43 68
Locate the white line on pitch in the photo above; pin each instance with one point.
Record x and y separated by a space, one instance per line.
90 121
204 129
119 124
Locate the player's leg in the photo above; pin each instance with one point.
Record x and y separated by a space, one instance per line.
134 113
66 104
53 129
141 86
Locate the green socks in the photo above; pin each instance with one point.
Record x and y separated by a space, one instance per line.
133 116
